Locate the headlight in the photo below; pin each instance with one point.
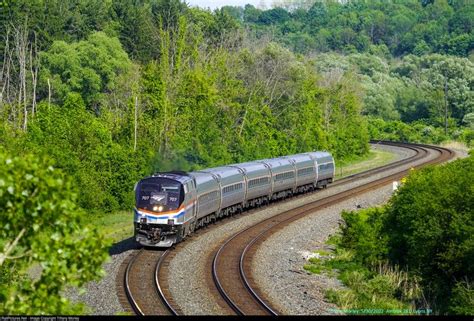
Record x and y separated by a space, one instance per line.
158 208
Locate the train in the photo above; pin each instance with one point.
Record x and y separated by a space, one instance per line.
170 206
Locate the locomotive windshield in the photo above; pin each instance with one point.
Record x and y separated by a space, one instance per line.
159 194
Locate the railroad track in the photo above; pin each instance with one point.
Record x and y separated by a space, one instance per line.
231 263
143 290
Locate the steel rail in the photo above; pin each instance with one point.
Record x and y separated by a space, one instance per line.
133 299
307 209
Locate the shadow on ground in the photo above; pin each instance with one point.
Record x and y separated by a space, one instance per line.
124 246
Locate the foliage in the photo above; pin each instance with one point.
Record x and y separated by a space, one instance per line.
419 132
380 289
462 299
81 144
378 253
425 212
45 242
125 88
361 232
89 68
402 27
443 82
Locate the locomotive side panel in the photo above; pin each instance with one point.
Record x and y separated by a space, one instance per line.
208 193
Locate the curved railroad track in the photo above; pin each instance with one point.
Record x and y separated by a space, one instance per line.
143 288
145 284
231 263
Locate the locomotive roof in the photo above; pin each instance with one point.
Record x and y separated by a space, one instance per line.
222 171
181 177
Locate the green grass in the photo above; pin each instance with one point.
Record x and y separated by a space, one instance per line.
375 158
117 225
322 252
384 290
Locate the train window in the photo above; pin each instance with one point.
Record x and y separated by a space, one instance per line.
170 188
305 171
208 197
327 166
258 181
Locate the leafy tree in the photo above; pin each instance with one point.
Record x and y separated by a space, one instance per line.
273 16
251 14
445 81
89 68
136 29
383 242
469 120
45 242
426 210
81 145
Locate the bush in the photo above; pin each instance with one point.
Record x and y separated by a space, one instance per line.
430 224
361 233
462 299
81 145
412 252
44 239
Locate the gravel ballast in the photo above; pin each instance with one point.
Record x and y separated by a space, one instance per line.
187 269
278 263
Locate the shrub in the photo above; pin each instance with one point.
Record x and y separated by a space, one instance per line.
430 224
361 233
44 239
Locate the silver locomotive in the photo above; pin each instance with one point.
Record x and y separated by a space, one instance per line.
170 206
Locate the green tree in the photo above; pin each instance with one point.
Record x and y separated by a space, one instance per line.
45 242
427 210
89 68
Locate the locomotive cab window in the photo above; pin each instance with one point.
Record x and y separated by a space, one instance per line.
159 194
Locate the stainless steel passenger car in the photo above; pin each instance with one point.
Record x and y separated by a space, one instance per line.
170 206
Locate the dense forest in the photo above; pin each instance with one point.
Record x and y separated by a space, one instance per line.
115 90
106 92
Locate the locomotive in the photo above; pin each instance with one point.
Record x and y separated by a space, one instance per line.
170 206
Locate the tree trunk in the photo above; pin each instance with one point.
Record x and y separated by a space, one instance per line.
135 125
34 75
445 105
49 94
